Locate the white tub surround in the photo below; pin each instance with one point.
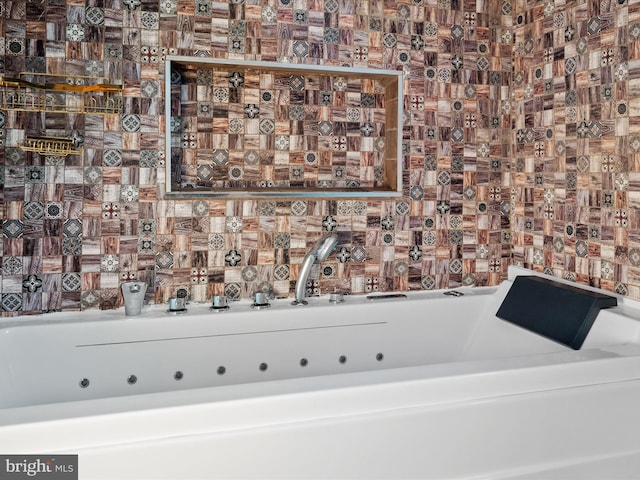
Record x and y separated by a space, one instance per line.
427 386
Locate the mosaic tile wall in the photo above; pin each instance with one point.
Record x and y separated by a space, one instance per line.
576 143
250 130
74 228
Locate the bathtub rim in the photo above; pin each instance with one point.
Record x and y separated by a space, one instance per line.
154 311
159 312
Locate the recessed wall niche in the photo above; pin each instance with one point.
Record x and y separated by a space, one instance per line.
243 129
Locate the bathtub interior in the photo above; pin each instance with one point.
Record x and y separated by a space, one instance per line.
67 357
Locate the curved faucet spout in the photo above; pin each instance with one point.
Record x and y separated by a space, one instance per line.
301 283
317 254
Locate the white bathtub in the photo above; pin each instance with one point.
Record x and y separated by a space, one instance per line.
429 386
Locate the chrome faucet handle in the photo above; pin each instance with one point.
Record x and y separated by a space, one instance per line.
336 297
261 300
219 303
177 304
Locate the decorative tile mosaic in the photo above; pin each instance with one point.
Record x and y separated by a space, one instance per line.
572 195
254 130
11 302
519 137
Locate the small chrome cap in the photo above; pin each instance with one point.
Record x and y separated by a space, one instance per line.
336 297
219 303
177 304
261 300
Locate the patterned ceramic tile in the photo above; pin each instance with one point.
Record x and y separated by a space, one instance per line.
131 123
249 274
93 175
566 101
32 284
110 263
281 272
72 246
14 46
110 210
164 260
75 32
11 302
34 174
232 258
233 224
112 158
71 282
12 228
129 193
232 290
146 246
89 299
12 265
33 210
358 254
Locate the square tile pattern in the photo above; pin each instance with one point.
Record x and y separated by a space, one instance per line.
256 130
520 145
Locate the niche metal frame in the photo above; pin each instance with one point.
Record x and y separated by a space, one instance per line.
392 173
